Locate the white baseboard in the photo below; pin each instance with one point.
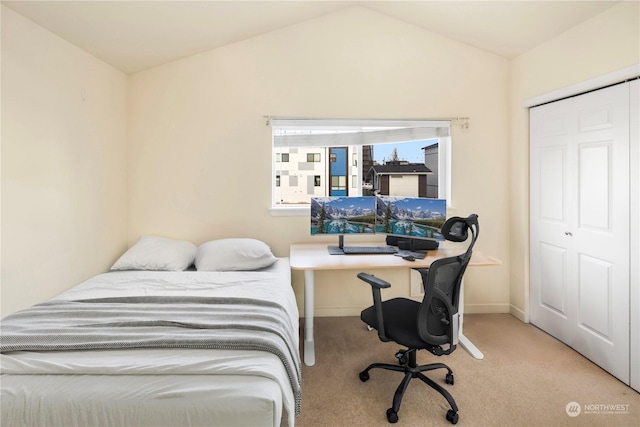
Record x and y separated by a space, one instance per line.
486 308
468 308
518 314
338 311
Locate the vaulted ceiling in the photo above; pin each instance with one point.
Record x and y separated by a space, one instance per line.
137 35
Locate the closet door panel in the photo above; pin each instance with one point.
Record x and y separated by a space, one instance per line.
601 235
580 224
550 269
553 275
595 292
595 196
551 173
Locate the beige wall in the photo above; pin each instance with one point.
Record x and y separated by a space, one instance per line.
601 45
200 150
63 164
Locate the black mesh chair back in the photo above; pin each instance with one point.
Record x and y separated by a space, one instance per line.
442 282
440 301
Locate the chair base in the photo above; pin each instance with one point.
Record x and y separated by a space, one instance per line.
411 370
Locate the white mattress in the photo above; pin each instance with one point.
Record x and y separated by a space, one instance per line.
156 387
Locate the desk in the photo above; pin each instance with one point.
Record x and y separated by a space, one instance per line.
310 257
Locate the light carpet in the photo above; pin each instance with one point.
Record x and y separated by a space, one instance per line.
527 378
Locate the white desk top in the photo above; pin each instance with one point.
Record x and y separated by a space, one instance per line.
315 256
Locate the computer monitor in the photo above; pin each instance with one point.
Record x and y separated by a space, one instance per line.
410 217
343 215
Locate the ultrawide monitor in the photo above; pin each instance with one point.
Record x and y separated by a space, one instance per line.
343 215
411 217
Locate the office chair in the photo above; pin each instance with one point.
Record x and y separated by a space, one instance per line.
430 325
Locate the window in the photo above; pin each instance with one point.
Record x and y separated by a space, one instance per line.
338 183
282 157
326 157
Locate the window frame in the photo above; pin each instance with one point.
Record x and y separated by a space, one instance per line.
315 157
444 164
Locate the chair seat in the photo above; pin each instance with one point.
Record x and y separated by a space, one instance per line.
400 321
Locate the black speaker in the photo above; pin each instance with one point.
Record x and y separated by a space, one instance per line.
412 244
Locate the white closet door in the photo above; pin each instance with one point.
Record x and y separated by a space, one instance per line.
580 224
634 116
551 220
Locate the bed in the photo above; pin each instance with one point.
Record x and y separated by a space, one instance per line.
157 348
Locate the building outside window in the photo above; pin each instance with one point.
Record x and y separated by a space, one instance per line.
353 148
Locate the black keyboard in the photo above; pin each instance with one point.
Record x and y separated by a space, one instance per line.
369 250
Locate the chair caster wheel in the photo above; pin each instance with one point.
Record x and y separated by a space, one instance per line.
364 376
449 379
392 416
452 417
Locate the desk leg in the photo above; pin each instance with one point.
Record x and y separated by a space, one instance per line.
309 343
464 341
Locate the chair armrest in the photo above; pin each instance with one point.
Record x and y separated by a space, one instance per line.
374 281
376 285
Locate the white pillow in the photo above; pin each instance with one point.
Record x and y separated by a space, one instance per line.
234 255
157 253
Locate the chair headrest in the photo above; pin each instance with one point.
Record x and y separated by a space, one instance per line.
456 228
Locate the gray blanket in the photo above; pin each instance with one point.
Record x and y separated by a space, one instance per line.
159 322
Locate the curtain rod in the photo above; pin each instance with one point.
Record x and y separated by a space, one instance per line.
446 119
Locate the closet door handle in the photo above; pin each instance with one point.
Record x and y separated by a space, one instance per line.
568 233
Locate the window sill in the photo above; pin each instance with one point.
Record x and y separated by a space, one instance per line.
290 211
305 210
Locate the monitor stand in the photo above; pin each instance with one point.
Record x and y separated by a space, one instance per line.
337 250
